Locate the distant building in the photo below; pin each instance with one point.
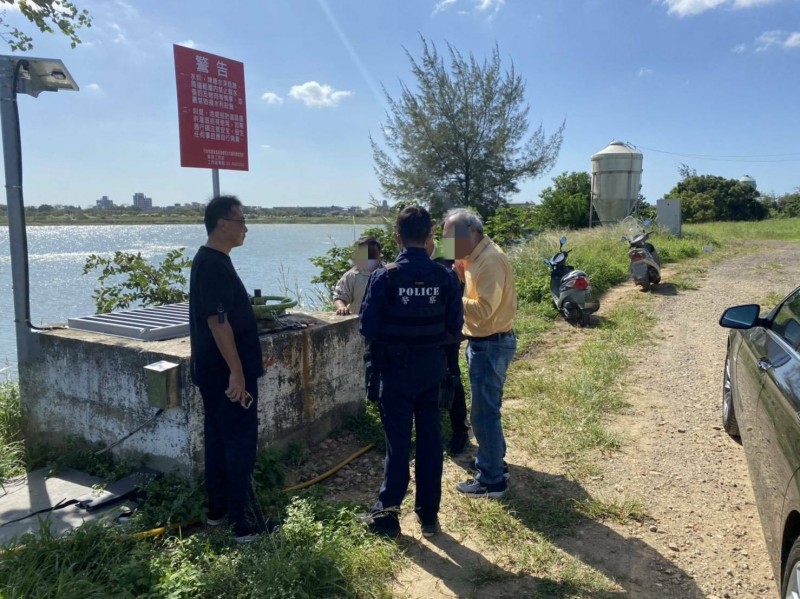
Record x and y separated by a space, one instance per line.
104 203
142 202
748 180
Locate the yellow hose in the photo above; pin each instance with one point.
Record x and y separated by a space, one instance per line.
333 470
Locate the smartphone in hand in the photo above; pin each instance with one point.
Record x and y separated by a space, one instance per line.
248 400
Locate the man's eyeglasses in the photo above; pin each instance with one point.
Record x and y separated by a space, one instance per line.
236 220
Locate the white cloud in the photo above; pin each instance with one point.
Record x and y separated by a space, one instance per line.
120 37
484 6
494 5
793 40
684 8
442 5
768 39
127 9
266 146
188 44
94 89
750 3
772 39
644 72
314 94
272 98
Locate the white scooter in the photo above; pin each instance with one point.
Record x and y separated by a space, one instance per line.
570 289
645 263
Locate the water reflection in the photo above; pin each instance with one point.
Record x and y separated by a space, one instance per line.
274 258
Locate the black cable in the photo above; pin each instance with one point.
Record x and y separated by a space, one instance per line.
130 434
66 502
63 503
728 158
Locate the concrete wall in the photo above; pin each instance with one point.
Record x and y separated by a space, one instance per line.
92 386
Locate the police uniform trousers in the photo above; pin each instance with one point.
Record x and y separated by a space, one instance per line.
410 394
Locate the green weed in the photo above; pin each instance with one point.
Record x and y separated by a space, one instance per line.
12 449
787 229
308 556
621 511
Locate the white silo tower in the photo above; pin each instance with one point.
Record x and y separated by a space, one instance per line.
616 180
748 180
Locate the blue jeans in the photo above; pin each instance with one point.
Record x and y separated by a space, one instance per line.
488 362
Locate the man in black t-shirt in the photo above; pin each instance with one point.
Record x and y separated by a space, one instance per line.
226 363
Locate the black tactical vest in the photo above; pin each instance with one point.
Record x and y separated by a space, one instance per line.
415 307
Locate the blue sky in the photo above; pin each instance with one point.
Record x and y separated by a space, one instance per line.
710 83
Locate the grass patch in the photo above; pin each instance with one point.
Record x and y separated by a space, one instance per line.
567 401
518 539
320 551
785 229
12 449
621 511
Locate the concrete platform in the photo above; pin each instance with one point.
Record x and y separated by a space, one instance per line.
93 386
38 491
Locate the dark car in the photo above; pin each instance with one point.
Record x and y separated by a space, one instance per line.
761 403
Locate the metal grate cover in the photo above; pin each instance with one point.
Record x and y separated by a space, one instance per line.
155 323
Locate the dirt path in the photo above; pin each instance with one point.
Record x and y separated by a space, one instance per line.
702 536
692 477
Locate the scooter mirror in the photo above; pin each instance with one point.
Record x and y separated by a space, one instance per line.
646 223
563 240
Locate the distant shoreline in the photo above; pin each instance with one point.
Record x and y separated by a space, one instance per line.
311 220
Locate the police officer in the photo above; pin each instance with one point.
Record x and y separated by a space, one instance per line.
410 307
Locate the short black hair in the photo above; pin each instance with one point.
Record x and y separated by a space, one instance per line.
413 225
217 208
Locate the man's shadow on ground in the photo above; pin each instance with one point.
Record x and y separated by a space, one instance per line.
546 504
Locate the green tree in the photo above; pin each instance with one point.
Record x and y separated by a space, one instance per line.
47 16
644 209
787 205
707 198
145 285
461 138
566 203
512 224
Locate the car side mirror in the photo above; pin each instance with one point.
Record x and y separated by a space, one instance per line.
740 317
